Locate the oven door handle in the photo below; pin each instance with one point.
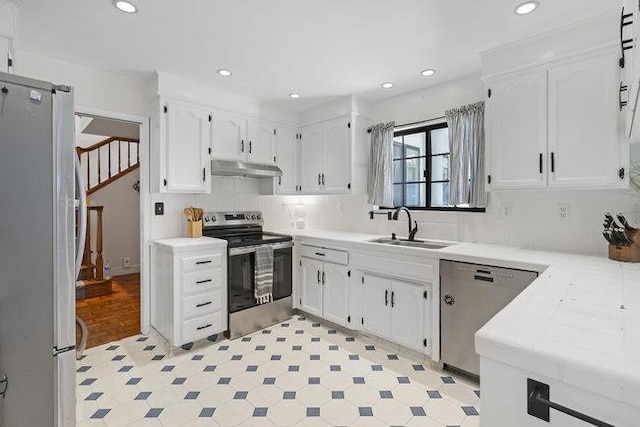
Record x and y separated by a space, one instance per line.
251 249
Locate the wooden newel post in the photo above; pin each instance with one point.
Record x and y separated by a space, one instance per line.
86 256
99 258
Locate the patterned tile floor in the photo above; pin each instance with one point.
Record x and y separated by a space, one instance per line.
296 373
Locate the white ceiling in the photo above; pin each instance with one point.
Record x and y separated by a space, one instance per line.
319 48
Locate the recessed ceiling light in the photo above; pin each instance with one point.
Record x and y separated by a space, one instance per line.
294 95
125 6
427 73
224 73
387 85
526 8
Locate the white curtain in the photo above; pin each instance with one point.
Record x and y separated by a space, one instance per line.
380 177
467 147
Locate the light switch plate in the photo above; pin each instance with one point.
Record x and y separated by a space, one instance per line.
159 208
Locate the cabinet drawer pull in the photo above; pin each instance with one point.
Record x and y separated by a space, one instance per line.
203 304
203 262
199 282
320 254
208 325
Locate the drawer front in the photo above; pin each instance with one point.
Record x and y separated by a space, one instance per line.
199 305
202 281
202 327
324 254
200 262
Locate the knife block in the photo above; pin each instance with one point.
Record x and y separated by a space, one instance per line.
194 229
629 253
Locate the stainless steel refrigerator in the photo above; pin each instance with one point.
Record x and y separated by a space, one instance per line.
39 253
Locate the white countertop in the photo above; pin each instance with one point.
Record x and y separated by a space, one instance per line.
191 243
579 322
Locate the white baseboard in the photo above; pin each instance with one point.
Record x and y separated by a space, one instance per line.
119 271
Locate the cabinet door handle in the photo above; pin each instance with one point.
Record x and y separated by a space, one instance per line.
203 304
625 44
200 282
249 146
319 181
208 325
242 145
540 163
279 180
553 162
386 297
318 276
322 179
393 294
204 174
324 277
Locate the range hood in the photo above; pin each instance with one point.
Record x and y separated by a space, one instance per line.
237 168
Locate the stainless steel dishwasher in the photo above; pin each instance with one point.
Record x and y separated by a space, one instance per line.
471 294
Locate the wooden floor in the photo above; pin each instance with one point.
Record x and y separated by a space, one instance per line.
112 317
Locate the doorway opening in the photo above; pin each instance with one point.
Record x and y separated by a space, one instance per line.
108 290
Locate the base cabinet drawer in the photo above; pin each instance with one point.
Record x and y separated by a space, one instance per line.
199 305
201 281
202 327
200 262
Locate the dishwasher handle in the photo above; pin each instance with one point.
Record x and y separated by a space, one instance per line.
483 278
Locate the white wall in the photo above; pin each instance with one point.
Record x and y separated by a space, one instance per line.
104 90
531 218
121 222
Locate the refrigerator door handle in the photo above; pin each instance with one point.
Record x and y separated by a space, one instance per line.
82 215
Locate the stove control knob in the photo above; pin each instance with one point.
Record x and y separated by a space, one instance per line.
259 216
214 218
206 219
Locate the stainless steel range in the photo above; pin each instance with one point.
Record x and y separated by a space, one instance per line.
243 232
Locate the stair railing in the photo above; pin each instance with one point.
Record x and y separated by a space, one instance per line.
127 151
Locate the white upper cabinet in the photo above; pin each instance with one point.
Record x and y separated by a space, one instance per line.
584 139
287 160
516 131
260 136
229 133
326 149
557 126
185 134
336 161
311 158
237 137
4 55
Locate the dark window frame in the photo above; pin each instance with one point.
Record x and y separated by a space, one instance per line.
427 172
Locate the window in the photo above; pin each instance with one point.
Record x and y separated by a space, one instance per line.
421 168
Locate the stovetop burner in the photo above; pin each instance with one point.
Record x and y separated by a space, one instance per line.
239 229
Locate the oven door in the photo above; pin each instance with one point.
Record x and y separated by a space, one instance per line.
241 275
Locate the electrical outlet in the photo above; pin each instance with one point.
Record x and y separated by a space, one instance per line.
506 209
564 210
126 262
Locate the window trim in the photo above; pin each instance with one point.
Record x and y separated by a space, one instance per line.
428 157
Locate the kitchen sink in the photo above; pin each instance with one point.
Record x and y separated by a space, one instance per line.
425 244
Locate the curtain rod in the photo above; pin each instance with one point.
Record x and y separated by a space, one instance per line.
413 123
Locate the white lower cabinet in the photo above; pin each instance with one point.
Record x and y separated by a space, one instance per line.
395 297
324 284
188 288
394 309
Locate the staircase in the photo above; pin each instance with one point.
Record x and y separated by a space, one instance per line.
105 162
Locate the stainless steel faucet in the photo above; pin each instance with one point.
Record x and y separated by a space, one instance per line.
412 231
